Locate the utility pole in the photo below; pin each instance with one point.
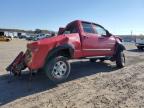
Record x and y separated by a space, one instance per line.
131 32
131 35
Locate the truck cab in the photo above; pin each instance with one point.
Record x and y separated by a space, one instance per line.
95 39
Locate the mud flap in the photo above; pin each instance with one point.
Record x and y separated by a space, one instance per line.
17 65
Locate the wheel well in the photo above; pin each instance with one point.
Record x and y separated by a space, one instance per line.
119 47
65 53
62 52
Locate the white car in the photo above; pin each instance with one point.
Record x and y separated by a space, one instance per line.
42 36
139 41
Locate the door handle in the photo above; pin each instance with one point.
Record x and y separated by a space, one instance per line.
101 37
85 37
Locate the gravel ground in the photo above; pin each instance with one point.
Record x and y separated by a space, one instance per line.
90 85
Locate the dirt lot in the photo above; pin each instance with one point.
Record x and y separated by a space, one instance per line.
90 85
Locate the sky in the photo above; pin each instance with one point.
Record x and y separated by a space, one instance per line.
117 16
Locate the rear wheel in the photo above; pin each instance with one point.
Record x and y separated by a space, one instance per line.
140 47
58 69
120 59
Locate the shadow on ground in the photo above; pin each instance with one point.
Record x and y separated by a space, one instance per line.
21 87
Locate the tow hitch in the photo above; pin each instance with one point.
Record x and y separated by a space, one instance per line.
17 65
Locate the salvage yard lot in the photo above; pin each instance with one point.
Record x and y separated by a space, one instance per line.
99 85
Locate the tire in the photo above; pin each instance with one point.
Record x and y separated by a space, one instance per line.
140 47
7 40
93 60
120 59
58 69
102 59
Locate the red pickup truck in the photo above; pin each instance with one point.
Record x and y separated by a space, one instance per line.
79 39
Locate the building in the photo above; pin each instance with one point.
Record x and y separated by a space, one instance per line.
15 32
12 32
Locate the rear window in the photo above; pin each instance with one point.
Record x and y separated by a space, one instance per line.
72 28
87 27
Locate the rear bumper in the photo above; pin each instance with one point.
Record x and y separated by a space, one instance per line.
18 64
31 60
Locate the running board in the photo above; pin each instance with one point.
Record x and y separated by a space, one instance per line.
99 57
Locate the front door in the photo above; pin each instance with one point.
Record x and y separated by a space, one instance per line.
95 42
106 43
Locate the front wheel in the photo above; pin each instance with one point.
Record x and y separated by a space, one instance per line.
93 60
58 69
102 59
120 59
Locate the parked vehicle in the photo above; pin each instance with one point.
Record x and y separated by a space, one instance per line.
4 38
10 37
41 36
79 39
22 36
139 42
15 37
30 37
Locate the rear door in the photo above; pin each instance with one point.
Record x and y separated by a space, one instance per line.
89 40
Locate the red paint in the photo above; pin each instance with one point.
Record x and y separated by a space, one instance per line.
85 45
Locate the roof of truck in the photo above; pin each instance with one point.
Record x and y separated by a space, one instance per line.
83 21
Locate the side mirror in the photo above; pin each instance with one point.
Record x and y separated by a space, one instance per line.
108 34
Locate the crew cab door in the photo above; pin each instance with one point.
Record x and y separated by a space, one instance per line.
106 42
89 40
95 41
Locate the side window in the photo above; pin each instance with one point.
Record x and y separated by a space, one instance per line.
87 27
99 30
72 29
